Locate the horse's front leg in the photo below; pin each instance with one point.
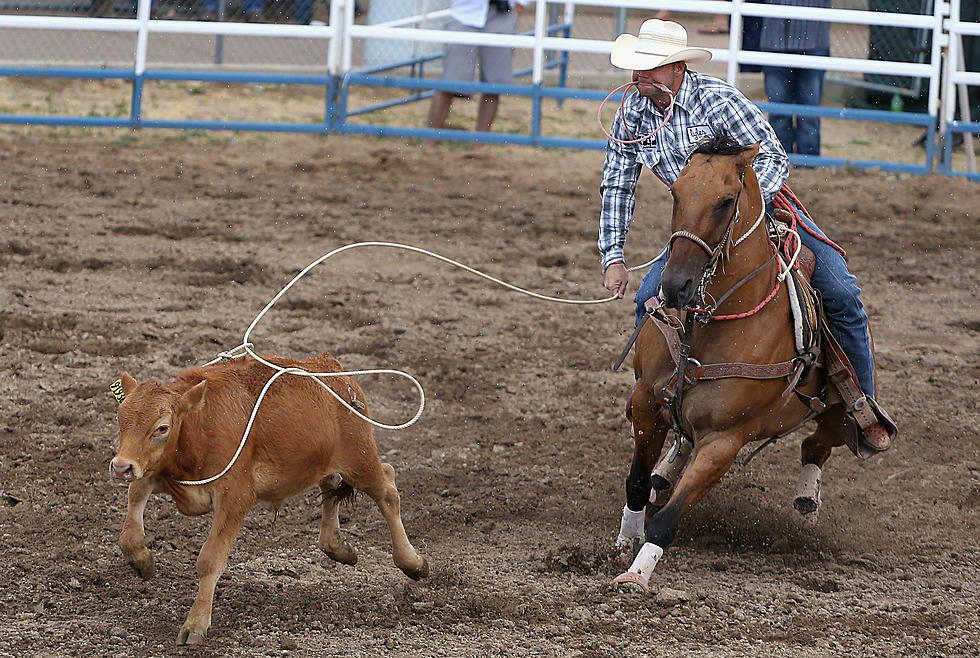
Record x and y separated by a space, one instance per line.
649 431
229 512
711 459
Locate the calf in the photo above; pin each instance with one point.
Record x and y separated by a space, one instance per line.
302 436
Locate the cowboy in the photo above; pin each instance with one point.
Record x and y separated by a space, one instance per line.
682 107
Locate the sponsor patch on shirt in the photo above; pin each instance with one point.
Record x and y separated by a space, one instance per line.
696 133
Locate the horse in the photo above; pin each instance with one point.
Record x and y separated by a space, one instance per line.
723 329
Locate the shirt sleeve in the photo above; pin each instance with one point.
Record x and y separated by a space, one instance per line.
619 175
748 125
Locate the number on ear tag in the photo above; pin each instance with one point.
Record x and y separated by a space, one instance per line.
117 391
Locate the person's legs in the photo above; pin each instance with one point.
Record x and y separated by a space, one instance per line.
496 65
487 111
253 9
303 12
841 297
459 64
649 286
809 91
439 108
779 89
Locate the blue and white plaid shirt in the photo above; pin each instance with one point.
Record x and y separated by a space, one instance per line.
704 105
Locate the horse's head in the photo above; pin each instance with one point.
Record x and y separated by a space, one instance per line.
717 181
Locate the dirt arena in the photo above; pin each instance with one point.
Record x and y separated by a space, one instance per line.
152 254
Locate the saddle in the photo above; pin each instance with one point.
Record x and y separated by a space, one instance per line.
868 429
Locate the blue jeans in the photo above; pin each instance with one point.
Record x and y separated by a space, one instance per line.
846 317
801 87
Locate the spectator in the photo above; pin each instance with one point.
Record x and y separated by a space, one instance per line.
460 60
718 25
799 86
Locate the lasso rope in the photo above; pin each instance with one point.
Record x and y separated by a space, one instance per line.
246 348
622 112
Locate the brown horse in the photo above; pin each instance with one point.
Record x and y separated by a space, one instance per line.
732 309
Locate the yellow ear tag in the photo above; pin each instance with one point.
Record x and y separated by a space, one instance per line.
117 391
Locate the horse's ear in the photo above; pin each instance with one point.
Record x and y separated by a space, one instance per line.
748 155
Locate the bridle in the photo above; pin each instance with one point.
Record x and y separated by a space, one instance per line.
705 312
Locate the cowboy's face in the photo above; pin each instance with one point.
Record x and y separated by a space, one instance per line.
654 83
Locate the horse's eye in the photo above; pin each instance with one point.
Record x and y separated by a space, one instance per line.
726 203
161 430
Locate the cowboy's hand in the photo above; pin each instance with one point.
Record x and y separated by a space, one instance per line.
615 279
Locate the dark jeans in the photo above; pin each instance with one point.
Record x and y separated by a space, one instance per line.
841 298
801 87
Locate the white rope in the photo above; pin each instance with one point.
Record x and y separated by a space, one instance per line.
247 348
754 227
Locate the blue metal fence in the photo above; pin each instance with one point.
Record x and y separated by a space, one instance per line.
338 114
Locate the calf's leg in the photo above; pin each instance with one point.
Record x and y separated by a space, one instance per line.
228 517
331 542
132 539
379 483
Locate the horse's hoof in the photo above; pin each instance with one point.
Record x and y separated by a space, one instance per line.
806 505
632 578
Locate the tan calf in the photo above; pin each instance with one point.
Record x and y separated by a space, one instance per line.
302 436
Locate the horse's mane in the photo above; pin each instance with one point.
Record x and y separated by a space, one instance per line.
718 144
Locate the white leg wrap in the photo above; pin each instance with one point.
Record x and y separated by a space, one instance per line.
808 490
671 471
646 560
630 528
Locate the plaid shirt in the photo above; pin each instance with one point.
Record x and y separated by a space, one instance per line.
703 105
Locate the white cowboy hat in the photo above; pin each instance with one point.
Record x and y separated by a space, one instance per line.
660 42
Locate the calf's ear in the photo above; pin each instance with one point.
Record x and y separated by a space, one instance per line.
122 387
193 399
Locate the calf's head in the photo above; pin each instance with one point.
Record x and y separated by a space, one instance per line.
150 417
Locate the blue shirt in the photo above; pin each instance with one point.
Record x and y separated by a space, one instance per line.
784 35
703 105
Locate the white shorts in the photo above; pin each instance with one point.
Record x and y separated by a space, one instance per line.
496 63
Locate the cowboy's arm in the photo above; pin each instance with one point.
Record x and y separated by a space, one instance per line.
619 175
748 125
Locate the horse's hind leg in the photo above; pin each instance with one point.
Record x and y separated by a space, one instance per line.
334 490
666 474
814 453
711 459
649 431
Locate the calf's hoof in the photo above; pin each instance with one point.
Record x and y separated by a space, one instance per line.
142 563
420 572
188 637
345 554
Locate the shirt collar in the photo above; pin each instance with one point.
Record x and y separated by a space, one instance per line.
685 93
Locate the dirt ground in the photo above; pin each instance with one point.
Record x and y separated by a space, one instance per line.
152 253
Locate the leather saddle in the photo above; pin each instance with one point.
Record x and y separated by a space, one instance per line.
868 429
